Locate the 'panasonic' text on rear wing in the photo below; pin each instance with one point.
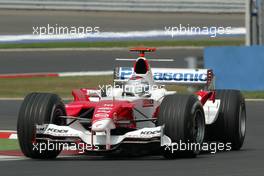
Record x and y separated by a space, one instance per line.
170 75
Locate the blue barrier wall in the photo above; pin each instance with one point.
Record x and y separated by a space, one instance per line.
236 67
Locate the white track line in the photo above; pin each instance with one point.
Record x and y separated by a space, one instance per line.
90 73
11 158
255 100
64 49
9 131
8 134
13 136
10 99
60 74
117 35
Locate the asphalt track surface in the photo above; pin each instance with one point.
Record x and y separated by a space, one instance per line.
247 162
90 60
22 21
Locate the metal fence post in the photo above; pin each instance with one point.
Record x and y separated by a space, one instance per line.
261 22
248 23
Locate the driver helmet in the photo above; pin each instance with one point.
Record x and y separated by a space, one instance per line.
137 86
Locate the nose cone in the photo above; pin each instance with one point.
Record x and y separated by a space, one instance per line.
103 125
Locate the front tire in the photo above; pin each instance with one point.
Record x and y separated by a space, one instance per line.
184 121
38 109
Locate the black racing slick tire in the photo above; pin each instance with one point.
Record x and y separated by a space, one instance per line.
38 109
230 126
184 123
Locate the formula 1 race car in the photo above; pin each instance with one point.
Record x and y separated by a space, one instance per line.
136 115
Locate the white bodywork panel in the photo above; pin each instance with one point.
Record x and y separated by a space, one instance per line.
211 110
102 125
155 95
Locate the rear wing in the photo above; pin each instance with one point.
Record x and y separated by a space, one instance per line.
171 76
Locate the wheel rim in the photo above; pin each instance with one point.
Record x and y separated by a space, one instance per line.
55 116
199 127
242 122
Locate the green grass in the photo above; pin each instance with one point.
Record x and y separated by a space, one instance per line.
19 87
59 85
9 144
208 42
254 94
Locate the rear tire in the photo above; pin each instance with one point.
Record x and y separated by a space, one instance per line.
38 108
230 126
184 121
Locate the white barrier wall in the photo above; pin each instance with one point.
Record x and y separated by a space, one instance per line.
203 6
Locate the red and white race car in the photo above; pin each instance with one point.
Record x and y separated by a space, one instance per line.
136 115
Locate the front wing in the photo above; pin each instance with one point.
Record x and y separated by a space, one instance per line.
102 141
